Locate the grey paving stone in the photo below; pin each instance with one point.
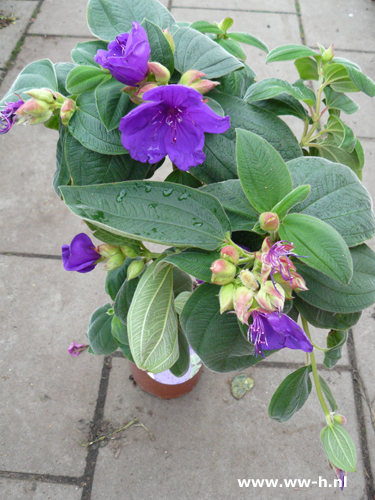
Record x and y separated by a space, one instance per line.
10 35
202 443
272 29
362 121
64 18
35 490
350 25
47 396
266 5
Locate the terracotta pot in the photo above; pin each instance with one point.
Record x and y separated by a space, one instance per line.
160 390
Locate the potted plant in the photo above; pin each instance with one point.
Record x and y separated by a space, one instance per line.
272 227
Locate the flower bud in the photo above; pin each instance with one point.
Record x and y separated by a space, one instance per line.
223 272
169 38
230 254
136 95
226 297
108 251
328 55
339 419
44 95
160 72
34 112
204 86
129 251
192 78
269 221
247 278
271 296
135 269
242 301
67 110
115 261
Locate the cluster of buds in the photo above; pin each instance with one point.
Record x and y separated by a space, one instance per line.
264 287
157 75
114 256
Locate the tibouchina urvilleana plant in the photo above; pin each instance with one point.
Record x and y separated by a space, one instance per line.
274 228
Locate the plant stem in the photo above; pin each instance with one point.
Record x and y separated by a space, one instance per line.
315 374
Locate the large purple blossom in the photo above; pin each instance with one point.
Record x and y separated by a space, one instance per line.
127 56
172 123
272 331
80 255
8 116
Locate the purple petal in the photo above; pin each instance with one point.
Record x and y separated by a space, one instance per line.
80 255
208 120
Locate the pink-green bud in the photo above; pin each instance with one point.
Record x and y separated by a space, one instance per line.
242 301
225 24
129 251
135 269
271 296
107 251
115 261
269 221
34 112
223 272
328 55
137 97
339 419
230 253
45 95
247 278
160 72
204 86
67 110
191 76
169 38
226 297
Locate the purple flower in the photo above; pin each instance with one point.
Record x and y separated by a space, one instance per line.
80 255
8 116
341 475
272 331
127 56
76 349
172 123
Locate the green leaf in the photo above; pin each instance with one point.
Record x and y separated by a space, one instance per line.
240 212
206 27
336 75
99 332
183 178
249 40
107 19
62 174
328 394
336 128
335 343
324 319
326 293
152 322
264 177
226 24
339 447
161 212
195 262
237 82
111 239
197 51
161 51
84 78
62 70
217 339
124 298
181 282
298 195
335 100
84 52
338 155
361 81
321 245
87 167
112 104
36 75
215 106
289 53
87 127
331 183
291 395
115 279
180 301
232 47
283 104
119 332
241 384
272 87
182 365
307 68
